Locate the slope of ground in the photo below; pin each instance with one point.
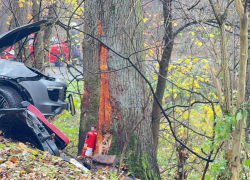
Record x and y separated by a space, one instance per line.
21 161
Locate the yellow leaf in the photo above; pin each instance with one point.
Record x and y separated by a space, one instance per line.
167 95
187 61
145 19
193 33
151 51
8 23
170 67
37 2
211 35
175 24
54 70
200 43
175 96
206 66
21 5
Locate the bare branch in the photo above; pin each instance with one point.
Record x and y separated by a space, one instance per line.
195 4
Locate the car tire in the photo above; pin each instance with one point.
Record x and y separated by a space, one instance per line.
9 98
59 62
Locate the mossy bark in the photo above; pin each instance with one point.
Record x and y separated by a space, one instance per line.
119 25
91 97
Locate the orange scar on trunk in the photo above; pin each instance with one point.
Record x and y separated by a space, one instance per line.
104 135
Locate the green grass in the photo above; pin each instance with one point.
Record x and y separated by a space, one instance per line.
68 124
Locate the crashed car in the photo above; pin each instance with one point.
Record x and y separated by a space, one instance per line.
27 96
19 83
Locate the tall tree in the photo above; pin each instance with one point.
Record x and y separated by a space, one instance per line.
237 138
118 100
48 31
163 68
19 12
38 41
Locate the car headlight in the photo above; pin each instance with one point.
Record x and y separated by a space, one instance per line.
54 87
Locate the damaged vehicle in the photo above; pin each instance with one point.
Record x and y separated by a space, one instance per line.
28 97
20 83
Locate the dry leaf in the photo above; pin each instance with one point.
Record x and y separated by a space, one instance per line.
10 165
14 160
21 145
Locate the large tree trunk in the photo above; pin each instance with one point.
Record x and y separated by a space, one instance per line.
236 151
38 41
123 94
163 69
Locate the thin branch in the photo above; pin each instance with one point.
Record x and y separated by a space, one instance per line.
195 4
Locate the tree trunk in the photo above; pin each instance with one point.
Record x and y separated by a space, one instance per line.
20 14
163 69
120 98
225 68
236 151
38 41
48 31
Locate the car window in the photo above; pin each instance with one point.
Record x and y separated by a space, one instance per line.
55 40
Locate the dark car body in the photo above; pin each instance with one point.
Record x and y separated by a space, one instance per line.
47 94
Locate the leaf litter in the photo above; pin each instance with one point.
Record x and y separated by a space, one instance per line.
22 161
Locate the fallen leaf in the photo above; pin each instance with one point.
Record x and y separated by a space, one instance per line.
21 145
14 160
10 165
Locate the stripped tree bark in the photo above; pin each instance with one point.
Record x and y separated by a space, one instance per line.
117 99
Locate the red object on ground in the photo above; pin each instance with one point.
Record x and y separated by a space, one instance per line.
51 126
89 145
58 46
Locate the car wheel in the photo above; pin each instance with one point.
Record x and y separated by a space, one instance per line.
59 61
9 98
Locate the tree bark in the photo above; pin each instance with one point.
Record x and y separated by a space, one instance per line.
38 41
20 14
48 31
163 69
122 94
221 19
237 138
225 68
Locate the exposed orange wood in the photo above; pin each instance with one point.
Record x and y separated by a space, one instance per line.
105 110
